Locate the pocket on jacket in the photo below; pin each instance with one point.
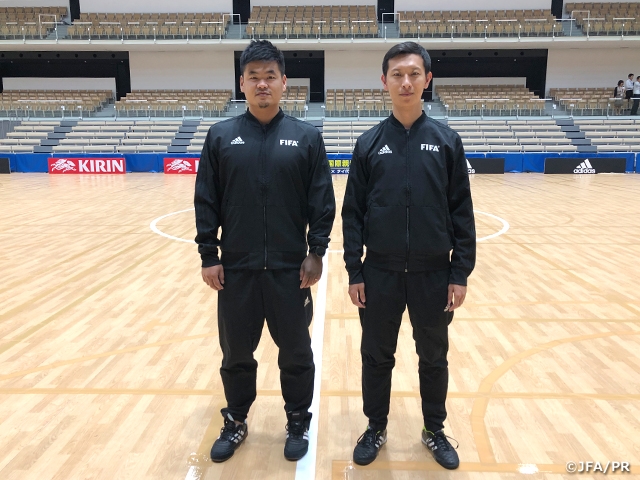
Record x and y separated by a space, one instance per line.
386 229
243 228
428 233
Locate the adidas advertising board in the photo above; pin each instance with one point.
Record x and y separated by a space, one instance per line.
87 166
4 165
585 165
485 165
181 166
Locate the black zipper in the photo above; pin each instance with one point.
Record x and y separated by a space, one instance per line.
264 191
406 261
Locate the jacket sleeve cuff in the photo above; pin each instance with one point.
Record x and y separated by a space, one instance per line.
210 261
458 277
355 276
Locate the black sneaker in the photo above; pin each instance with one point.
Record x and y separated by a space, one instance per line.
297 443
368 446
441 449
231 436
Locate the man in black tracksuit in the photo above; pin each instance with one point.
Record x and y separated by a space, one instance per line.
408 200
263 179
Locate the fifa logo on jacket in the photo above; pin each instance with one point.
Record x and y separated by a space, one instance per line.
289 143
429 147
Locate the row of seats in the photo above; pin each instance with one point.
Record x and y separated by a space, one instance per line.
313 21
477 136
93 136
501 100
588 101
610 135
477 23
30 14
351 102
147 26
51 103
606 18
103 136
512 136
171 103
29 22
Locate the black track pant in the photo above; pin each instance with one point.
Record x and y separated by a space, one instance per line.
388 293
248 297
634 109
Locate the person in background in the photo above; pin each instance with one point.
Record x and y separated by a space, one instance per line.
619 93
636 96
628 86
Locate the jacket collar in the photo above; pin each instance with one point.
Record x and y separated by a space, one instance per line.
419 121
274 121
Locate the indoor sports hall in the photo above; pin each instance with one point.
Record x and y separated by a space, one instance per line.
109 344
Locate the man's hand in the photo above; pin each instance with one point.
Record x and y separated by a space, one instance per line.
310 270
356 292
456 296
214 277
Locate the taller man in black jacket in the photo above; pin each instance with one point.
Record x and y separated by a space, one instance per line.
408 200
264 178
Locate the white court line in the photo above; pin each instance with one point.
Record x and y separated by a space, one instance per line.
306 467
504 229
155 229
505 226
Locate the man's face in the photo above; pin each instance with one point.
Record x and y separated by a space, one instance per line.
263 84
406 79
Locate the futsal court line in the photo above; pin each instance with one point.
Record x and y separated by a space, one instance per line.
154 227
306 467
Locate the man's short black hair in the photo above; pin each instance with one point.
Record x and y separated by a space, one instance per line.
261 51
406 48
630 75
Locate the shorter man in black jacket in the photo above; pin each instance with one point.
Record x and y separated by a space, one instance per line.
264 178
408 200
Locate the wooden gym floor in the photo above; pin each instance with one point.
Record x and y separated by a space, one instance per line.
109 353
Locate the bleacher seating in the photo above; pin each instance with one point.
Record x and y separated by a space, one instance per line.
494 100
294 100
106 136
500 136
512 136
353 102
170 103
606 18
199 136
29 22
355 21
481 23
611 135
52 103
340 136
133 26
588 101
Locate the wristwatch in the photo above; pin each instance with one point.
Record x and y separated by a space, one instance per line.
319 251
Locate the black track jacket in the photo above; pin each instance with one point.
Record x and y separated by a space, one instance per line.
408 200
263 185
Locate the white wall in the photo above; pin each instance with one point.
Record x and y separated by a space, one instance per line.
159 6
348 69
591 67
187 70
10 83
473 5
